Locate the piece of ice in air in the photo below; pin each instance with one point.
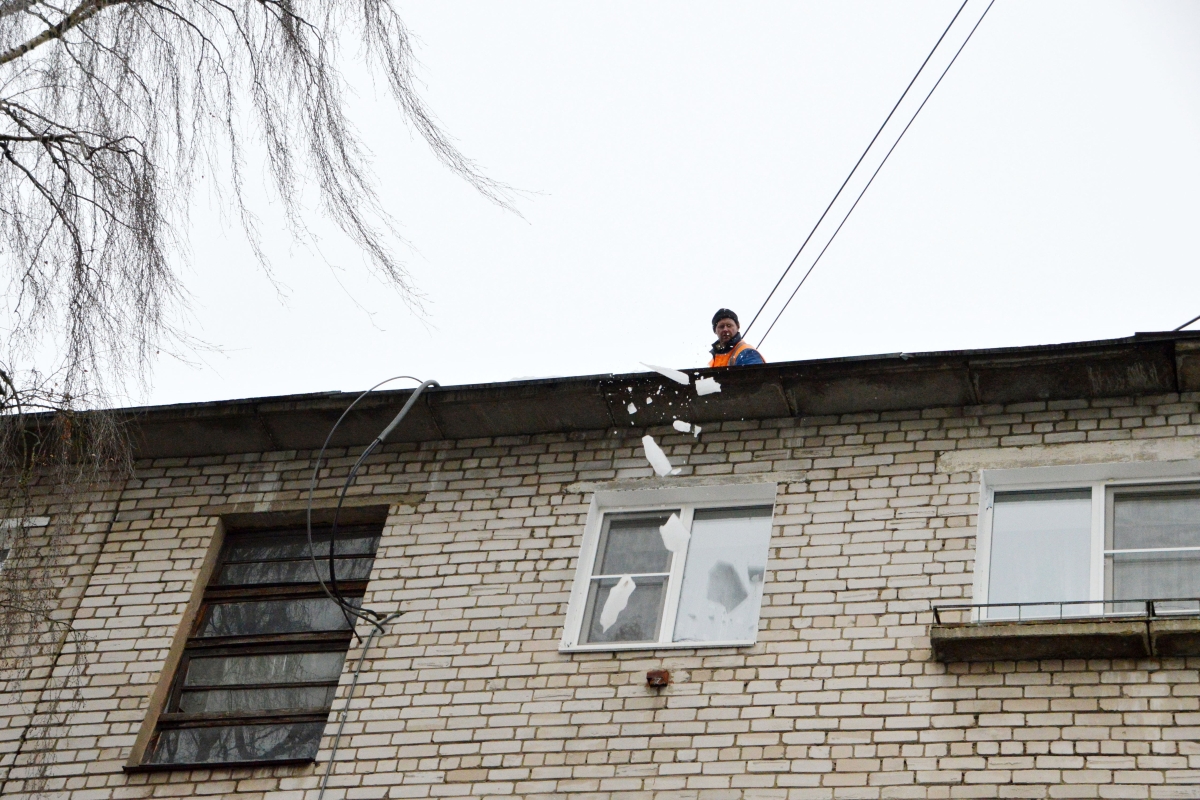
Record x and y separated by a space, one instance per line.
686 427
657 458
707 386
649 400
618 598
632 408
674 535
673 374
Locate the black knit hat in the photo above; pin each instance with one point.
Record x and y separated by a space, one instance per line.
725 313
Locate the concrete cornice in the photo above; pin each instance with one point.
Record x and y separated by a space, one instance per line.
1144 364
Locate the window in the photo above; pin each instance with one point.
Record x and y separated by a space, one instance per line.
1153 547
260 668
1089 540
671 568
1040 543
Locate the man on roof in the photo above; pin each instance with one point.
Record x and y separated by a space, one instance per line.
729 350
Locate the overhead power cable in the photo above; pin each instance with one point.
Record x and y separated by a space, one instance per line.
1189 322
876 172
853 169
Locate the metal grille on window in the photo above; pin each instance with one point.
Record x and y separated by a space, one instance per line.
261 666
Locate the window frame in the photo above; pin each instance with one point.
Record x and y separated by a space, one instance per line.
197 646
682 500
1104 481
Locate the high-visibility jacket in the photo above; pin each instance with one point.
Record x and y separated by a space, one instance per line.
730 358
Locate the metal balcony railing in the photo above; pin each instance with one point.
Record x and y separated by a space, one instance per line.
1067 609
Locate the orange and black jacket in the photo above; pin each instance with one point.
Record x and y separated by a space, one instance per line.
735 353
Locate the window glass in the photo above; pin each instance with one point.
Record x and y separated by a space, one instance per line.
1153 576
265 668
231 743
271 558
1163 531
628 614
299 571
723 578
215 701
1040 549
1156 520
626 605
303 615
633 546
271 546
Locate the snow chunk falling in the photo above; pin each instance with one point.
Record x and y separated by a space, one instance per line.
686 427
673 374
707 386
618 598
674 535
657 458
631 408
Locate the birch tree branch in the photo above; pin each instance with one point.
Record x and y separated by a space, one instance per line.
83 12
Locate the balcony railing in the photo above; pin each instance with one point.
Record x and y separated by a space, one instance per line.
1066 609
1073 629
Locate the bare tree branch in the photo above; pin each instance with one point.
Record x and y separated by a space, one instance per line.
111 111
10 7
83 12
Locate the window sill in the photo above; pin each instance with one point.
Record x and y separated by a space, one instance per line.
613 647
134 769
1080 638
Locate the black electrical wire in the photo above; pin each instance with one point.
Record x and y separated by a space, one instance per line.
876 172
412 399
378 620
375 618
347 609
345 710
1184 325
850 175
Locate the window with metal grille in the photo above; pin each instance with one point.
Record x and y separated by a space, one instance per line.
262 662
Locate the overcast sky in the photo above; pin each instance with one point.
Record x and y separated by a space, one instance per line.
672 157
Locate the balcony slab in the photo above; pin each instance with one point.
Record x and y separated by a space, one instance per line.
1038 639
1175 636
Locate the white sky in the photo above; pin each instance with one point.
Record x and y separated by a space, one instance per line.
674 156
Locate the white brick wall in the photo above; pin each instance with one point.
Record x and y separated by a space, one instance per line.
468 696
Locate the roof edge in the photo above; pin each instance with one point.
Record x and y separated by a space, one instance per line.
1143 364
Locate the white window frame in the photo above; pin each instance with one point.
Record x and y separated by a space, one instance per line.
1102 479
685 500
